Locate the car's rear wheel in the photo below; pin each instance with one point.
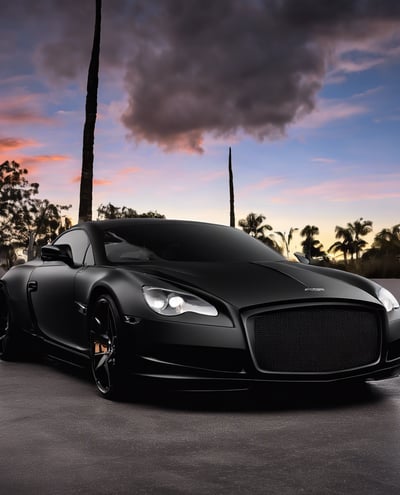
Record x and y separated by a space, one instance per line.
105 322
11 341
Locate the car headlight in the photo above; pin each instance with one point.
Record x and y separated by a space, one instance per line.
171 303
387 299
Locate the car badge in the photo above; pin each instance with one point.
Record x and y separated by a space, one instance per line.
314 289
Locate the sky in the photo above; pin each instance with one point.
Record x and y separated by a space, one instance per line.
305 92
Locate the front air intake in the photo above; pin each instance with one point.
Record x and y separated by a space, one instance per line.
315 339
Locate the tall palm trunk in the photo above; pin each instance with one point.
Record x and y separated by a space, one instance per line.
86 190
231 192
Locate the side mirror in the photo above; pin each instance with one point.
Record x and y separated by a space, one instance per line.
61 252
301 258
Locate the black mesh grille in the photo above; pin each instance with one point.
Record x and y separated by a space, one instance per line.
315 339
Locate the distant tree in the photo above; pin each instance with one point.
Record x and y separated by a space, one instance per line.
46 223
382 260
16 202
386 243
25 221
312 248
86 186
349 238
344 244
110 212
254 225
339 247
232 222
360 228
287 239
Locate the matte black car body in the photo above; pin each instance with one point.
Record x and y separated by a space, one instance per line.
273 320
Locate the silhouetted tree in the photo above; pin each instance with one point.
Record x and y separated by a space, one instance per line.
382 260
46 223
86 187
344 244
110 212
360 228
349 238
231 193
16 202
312 248
254 226
25 221
386 244
286 240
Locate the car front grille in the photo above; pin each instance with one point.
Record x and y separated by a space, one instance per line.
315 339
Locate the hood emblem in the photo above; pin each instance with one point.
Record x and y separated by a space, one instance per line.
314 289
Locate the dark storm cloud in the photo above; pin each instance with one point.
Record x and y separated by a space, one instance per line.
228 65
212 66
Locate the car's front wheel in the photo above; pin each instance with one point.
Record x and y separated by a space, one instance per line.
104 324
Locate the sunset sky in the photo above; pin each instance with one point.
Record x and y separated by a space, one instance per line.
305 92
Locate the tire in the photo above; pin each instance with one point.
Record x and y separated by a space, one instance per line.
104 324
12 343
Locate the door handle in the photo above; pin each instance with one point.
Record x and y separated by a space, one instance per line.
32 285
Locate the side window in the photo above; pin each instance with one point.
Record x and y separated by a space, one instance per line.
89 258
79 242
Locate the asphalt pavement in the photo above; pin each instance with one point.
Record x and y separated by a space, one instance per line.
59 437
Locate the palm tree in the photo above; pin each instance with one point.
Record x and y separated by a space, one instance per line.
252 225
231 192
86 188
339 246
360 228
352 243
286 240
312 248
387 241
346 246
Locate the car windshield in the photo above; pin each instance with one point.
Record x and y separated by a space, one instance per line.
183 241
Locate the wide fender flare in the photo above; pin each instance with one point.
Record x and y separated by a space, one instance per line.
123 286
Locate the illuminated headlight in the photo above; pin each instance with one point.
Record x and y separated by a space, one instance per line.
171 303
387 299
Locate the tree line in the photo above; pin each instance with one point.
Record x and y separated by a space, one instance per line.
27 223
381 259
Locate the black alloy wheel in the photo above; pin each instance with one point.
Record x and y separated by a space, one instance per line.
4 328
104 325
10 345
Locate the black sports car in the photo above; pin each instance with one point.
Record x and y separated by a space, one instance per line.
199 305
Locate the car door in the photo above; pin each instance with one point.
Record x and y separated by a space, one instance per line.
51 289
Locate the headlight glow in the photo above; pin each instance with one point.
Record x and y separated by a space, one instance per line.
387 299
172 303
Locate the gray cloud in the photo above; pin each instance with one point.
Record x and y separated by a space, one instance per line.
195 67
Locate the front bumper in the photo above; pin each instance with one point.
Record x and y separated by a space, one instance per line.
197 356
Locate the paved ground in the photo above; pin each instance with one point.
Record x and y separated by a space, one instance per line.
58 437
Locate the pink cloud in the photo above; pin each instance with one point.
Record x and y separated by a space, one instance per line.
345 190
22 109
101 182
96 182
12 143
260 186
45 158
129 170
33 163
328 112
213 175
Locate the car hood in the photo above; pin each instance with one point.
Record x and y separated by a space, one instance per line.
246 284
